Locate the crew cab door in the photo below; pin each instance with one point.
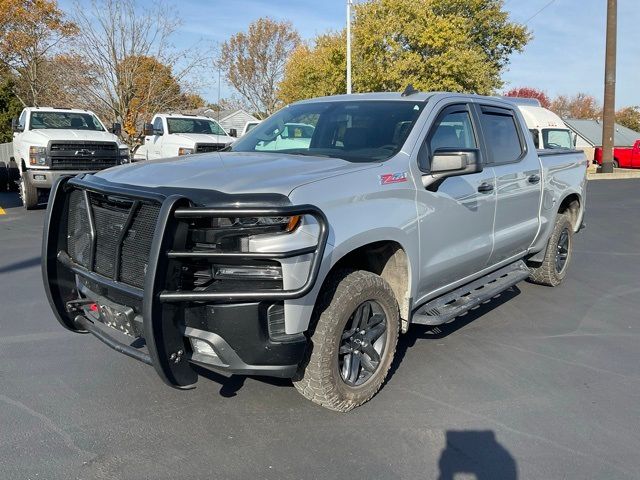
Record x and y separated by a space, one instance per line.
518 181
456 213
154 142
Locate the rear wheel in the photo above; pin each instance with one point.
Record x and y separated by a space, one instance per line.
353 343
553 268
28 192
615 163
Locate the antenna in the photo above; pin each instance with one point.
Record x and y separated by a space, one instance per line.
409 90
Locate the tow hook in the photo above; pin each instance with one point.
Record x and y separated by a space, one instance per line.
75 306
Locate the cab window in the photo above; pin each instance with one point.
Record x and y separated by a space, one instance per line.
453 130
157 126
501 134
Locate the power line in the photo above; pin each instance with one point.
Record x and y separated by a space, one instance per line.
538 12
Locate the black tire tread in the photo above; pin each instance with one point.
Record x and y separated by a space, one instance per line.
30 195
545 273
314 380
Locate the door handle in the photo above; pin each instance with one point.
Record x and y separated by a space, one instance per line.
535 178
485 187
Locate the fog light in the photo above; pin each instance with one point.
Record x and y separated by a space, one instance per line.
239 272
202 347
39 177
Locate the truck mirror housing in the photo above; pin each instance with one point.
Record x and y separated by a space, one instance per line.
147 130
15 125
233 132
451 162
116 129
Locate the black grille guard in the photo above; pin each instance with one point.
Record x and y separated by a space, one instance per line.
162 334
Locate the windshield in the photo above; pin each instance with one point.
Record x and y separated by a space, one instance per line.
194 125
556 138
357 131
65 120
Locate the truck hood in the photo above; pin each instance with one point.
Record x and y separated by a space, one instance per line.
232 172
43 136
193 138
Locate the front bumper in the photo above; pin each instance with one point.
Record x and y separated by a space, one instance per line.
46 178
241 331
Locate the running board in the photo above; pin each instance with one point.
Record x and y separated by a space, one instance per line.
446 308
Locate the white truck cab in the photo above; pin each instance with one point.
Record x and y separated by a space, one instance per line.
172 135
547 129
50 142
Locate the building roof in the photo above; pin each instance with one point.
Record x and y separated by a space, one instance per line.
591 131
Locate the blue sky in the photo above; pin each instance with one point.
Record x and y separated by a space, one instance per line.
565 56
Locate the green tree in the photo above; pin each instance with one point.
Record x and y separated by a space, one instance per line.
10 105
454 45
629 117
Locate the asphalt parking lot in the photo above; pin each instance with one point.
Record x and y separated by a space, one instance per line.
540 383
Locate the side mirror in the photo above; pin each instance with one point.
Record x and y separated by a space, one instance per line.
15 125
116 129
452 162
233 132
148 130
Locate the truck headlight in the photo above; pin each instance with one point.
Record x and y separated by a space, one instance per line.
37 155
185 151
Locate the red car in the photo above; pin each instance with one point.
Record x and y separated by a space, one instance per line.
623 157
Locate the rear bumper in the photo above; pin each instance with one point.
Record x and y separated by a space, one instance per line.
235 332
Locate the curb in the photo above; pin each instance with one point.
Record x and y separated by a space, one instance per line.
619 174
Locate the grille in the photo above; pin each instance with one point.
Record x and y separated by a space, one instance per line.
67 146
83 155
75 163
116 226
209 147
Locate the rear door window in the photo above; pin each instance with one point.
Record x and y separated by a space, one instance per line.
501 134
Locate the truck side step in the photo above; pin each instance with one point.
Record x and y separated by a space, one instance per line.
447 307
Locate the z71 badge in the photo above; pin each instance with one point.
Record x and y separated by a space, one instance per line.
388 178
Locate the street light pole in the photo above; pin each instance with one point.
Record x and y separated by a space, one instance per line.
349 3
608 117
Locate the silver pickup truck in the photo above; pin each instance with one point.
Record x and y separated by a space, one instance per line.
307 258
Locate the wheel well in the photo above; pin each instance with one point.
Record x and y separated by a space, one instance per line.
571 206
387 259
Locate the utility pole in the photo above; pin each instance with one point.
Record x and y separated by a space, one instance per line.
349 4
608 120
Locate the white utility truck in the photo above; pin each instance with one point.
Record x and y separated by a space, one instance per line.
547 129
52 142
172 135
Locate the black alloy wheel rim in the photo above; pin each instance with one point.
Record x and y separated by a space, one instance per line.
362 344
562 250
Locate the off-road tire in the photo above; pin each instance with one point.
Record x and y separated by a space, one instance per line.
546 273
318 377
28 193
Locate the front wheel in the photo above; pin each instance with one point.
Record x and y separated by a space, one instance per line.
28 192
353 342
553 268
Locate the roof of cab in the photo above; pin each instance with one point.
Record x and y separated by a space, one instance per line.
397 96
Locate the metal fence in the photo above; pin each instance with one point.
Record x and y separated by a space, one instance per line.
6 152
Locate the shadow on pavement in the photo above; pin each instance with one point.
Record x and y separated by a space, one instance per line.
230 385
425 332
476 453
10 200
12 267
